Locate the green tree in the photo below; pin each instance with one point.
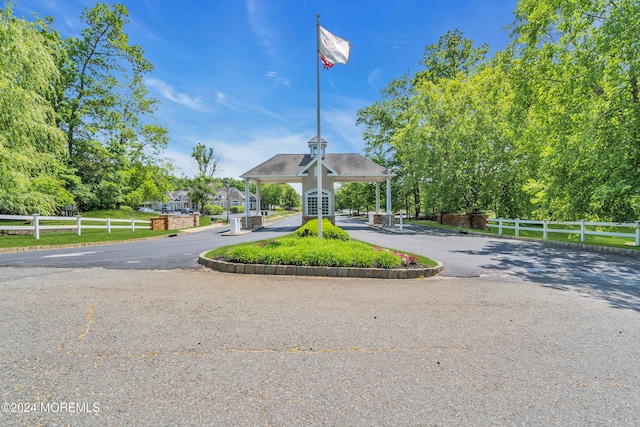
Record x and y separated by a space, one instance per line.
207 162
107 114
290 197
580 64
236 183
383 121
356 196
33 173
271 195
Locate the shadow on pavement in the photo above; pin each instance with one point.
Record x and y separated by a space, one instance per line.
278 228
608 277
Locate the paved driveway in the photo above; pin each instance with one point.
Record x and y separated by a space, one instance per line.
615 278
198 347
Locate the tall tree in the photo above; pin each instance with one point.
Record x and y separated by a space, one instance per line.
290 197
98 59
107 113
206 162
33 173
271 195
582 63
383 121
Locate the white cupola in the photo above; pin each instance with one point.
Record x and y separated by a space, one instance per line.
313 146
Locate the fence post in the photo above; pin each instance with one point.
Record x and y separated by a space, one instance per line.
133 224
517 226
637 233
108 225
499 225
36 226
545 230
583 235
78 225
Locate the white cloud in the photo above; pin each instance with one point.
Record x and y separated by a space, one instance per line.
374 78
260 147
234 104
343 124
182 161
276 79
168 92
261 22
239 156
229 102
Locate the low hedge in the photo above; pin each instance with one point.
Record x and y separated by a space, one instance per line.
329 231
315 252
213 209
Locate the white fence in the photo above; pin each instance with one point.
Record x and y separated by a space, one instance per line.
76 223
544 227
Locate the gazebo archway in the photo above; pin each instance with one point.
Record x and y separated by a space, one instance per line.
302 168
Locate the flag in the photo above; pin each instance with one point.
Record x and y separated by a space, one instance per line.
332 48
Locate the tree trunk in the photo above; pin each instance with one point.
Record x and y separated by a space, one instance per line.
416 200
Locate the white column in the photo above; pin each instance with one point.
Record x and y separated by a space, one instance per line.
258 203
389 200
377 197
247 202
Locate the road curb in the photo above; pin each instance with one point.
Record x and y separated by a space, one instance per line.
82 245
302 270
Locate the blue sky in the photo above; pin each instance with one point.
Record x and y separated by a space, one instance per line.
240 75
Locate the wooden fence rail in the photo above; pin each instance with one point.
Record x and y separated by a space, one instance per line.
78 223
583 230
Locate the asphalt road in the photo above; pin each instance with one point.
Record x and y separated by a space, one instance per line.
513 333
157 254
463 255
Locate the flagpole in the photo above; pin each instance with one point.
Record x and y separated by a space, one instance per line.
318 144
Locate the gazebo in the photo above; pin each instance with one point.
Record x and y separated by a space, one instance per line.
302 168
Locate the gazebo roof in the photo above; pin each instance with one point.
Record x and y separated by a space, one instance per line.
286 168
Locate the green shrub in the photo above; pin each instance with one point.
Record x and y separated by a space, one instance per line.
210 209
126 208
236 209
386 259
314 252
329 231
245 254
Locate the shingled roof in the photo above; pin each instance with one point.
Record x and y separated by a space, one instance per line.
283 168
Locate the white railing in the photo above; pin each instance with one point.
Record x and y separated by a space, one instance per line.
544 227
77 224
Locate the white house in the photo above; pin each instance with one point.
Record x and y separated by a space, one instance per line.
176 201
236 198
180 199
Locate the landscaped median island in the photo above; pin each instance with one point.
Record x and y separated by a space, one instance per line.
335 255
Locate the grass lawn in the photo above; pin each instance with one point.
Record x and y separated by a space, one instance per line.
89 235
293 250
617 242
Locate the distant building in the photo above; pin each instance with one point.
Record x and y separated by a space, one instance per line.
180 199
236 198
176 201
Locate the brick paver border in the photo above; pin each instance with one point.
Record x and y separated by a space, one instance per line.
301 270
